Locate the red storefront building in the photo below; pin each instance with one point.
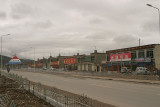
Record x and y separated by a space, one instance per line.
139 56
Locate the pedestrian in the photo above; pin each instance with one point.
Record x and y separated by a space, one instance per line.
8 68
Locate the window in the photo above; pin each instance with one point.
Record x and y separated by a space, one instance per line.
87 59
82 59
79 60
150 54
108 57
92 58
141 54
133 55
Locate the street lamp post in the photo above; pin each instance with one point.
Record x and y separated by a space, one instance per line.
34 60
158 13
159 21
1 50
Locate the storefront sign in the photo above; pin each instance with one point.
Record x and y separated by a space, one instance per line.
70 61
40 64
120 57
54 63
143 59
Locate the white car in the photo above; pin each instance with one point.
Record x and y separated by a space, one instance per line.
44 68
125 70
142 70
52 68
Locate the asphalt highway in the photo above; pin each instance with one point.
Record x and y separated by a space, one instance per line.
121 94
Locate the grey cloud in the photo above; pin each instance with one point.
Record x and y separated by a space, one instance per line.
151 26
125 40
3 15
71 25
95 36
105 35
20 11
96 21
42 24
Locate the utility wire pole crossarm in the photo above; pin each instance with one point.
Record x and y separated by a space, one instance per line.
1 50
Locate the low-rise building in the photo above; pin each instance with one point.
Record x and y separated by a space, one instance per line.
140 56
91 62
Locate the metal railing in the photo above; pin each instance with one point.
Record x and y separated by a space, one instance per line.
54 96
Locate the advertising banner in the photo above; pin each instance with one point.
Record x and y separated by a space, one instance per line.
120 57
70 61
40 64
54 63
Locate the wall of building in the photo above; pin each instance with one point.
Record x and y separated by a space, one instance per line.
157 56
82 67
94 67
98 57
61 61
79 67
86 67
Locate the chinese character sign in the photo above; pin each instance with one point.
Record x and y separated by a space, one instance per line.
40 64
70 61
54 63
120 57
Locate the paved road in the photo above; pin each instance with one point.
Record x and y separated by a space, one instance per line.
121 94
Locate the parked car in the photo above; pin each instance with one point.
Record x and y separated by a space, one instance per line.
44 68
142 70
51 68
125 70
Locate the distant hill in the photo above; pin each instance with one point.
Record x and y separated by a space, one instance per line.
6 59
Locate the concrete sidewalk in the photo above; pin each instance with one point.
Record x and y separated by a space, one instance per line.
156 82
121 79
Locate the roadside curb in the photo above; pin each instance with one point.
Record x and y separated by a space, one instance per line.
110 78
117 79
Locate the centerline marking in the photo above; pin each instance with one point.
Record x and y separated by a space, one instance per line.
100 85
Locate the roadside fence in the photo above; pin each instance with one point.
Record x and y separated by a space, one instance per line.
56 97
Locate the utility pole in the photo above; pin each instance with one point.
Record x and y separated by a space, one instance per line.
158 14
139 41
34 59
1 51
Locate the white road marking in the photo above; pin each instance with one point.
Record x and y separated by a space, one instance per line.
101 85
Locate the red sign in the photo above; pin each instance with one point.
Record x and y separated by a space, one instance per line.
54 63
31 65
120 57
70 61
40 64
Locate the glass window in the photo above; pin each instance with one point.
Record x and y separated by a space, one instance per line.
92 58
150 54
79 60
82 59
108 57
87 59
133 55
141 54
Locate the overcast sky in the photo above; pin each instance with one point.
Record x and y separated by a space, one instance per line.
71 26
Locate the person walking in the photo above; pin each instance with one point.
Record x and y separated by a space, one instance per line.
8 68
